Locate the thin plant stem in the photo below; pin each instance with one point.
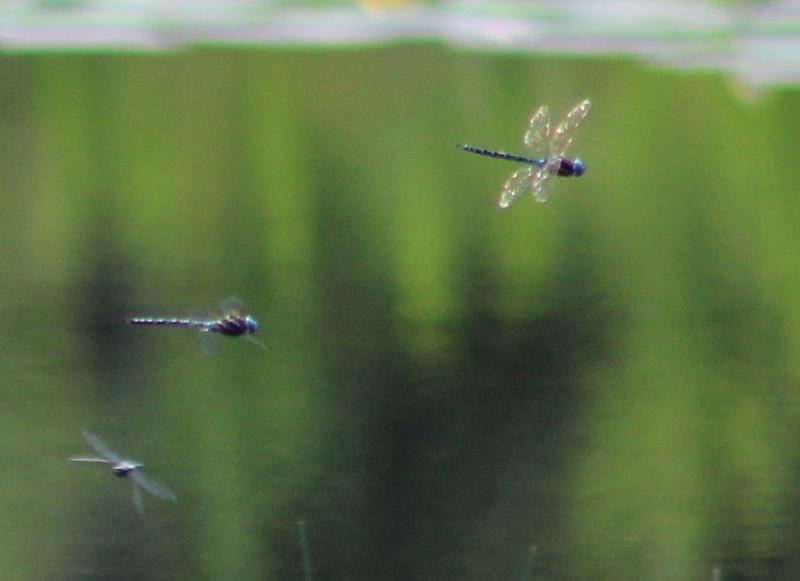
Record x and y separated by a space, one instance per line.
305 551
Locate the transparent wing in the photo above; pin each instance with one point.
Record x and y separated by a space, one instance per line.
538 131
254 341
85 459
564 133
515 186
231 304
209 343
100 446
137 497
152 486
541 180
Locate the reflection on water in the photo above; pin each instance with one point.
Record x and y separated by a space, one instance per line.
611 377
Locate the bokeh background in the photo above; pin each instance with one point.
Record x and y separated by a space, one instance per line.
605 386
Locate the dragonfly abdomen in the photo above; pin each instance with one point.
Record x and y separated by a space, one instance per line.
167 322
501 155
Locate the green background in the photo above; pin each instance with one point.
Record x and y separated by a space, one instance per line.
611 377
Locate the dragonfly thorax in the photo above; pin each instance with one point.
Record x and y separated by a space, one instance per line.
571 167
124 468
235 326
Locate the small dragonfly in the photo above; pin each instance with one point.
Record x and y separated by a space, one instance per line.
538 138
232 323
122 468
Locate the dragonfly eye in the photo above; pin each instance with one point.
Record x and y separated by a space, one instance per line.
251 324
579 167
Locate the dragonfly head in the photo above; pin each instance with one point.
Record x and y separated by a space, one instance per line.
251 324
578 167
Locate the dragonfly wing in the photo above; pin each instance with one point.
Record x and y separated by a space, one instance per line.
152 486
538 131
100 446
137 497
209 342
515 186
231 304
564 133
85 459
541 180
255 342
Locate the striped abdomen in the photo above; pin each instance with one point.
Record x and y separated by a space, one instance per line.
567 168
168 322
502 155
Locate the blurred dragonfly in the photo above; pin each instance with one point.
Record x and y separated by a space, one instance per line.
538 138
122 467
232 323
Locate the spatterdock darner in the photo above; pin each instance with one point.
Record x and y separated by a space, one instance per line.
124 467
536 177
232 322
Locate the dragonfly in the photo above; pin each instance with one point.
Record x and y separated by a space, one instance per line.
537 175
124 467
232 322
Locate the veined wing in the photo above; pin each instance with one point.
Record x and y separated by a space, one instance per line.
541 180
565 132
100 447
86 459
152 486
515 186
538 131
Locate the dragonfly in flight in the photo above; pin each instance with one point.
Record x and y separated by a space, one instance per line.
122 468
232 323
536 176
